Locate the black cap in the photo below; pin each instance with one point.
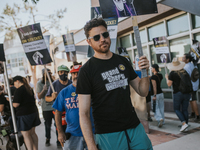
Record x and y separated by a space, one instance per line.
156 67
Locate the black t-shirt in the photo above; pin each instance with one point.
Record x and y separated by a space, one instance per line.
27 102
108 83
173 76
158 78
4 102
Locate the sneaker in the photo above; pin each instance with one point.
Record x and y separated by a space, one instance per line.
59 145
184 127
192 115
197 120
150 119
47 142
160 123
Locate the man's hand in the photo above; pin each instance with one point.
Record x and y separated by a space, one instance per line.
61 138
45 88
54 95
154 98
166 76
143 63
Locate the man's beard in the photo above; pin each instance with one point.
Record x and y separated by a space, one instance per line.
103 50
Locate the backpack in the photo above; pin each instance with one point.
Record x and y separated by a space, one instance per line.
195 75
185 83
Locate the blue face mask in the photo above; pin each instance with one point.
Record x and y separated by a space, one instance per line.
63 77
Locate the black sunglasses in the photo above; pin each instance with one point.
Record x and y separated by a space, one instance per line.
97 37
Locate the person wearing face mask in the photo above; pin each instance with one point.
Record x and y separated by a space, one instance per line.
58 85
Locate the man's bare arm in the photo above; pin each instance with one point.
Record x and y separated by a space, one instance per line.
85 123
51 98
58 119
154 87
141 86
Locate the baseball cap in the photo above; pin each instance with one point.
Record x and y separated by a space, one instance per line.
43 70
75 68
63 68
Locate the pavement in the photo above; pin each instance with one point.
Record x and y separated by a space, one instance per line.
166 138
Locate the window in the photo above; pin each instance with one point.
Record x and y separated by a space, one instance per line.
195 21
179 46
197 36
156 31
130 55
145 52
125 41
178 25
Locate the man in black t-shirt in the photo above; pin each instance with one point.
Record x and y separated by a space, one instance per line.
103 83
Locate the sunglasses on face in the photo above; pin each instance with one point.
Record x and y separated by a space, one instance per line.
97 37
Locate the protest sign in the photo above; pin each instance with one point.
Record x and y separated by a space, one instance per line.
96 12
123 8
123 52
34 44
70 49
162 49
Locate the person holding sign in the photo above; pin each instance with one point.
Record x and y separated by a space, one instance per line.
41 89
67 100
103 83
26 112
58 85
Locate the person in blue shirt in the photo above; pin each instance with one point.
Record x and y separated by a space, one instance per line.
67 100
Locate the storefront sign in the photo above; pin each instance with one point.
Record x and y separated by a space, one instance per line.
34 44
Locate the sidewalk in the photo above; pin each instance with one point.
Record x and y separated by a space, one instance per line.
169 136
166 138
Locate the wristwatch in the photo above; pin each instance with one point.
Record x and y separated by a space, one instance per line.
154 95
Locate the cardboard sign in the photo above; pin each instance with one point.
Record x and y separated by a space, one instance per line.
70 49
2 55
124 8
123 52
34 44
162 50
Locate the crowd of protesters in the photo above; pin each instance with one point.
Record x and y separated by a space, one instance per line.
93 110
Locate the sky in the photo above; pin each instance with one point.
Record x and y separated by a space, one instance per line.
78 13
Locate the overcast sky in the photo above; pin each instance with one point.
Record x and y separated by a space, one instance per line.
78 12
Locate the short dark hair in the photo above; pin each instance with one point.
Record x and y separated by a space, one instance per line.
94 23
188 56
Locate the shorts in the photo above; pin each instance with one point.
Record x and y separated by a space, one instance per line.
134 139
148 98
193 96
26 122
75 143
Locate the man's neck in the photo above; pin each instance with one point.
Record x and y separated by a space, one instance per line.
105 56
63 82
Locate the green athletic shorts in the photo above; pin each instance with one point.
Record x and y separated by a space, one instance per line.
131 139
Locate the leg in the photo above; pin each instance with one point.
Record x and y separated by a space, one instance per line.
177 103
28 139
34 138
157 114
162 107
47 122
185 105
195 107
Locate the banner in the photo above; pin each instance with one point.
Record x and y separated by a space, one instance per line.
162 49
34 44
70 49
124 8
2 55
